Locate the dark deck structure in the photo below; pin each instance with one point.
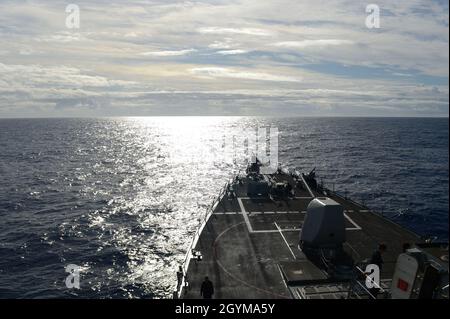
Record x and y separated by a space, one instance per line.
249 246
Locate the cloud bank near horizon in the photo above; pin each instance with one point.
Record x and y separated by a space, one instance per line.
242 57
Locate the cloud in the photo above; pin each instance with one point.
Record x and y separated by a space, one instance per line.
246 31
216 72
63 37
67 90
232 52
168 53
52 78
144 57
27 51
312 43
227 43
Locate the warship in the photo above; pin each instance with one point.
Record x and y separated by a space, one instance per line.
287 236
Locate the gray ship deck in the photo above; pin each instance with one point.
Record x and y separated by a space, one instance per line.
250 250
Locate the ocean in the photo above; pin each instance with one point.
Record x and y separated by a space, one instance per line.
121 197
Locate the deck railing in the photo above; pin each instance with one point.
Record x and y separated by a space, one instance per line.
358 288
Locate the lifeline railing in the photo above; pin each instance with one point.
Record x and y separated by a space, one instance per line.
202 223
356 287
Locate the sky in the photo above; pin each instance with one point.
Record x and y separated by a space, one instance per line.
235 57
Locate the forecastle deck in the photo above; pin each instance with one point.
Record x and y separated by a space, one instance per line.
249 246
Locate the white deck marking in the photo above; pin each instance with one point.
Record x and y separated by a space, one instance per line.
244 213
357 227
246 216
275 231
228 272
285 241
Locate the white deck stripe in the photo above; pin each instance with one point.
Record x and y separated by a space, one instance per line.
246 214
285 241
273 231
357 227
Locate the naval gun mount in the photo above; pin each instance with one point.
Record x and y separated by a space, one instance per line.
322 237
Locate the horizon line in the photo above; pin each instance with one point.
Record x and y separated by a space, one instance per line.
255 116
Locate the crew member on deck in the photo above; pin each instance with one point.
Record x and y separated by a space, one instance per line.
377 259
180 275
207 289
